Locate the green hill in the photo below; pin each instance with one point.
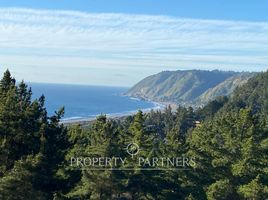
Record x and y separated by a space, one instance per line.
189 87
231 145
253 94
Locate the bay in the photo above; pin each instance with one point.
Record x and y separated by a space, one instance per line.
86 102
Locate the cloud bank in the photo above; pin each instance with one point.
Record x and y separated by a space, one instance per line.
93 48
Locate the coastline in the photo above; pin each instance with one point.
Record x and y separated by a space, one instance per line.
86 120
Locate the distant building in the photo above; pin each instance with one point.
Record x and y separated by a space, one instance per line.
197 123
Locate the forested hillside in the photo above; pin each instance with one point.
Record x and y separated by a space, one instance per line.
188 87
227 139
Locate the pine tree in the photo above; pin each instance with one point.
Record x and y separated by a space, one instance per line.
220 190
97 142
228 147
254 190
18 183
6 82
27 132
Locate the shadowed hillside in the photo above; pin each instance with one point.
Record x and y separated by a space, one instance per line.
189 87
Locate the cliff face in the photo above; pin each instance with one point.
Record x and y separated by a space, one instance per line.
189 87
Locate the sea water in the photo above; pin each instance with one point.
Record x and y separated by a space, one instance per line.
86 102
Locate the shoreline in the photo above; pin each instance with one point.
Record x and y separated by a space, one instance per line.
85 120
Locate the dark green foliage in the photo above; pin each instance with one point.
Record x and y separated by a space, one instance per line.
95 142
32 144
7 82
230 147
18 183
211 108
221 190
143 130
227 138
253 95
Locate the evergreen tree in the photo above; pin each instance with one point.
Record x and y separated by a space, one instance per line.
18 183
229 147
27 132
7 82
96 182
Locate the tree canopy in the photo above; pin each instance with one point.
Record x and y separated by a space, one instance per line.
227 139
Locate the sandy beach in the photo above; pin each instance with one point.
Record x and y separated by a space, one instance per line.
115 116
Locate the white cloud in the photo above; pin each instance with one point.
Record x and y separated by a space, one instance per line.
132 45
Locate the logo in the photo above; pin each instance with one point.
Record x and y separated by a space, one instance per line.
115 162
132 149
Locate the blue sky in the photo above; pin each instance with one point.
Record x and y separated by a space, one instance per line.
119 42
255 10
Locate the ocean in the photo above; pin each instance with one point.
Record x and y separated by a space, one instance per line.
86 102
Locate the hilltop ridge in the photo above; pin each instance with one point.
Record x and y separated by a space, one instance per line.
188 87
